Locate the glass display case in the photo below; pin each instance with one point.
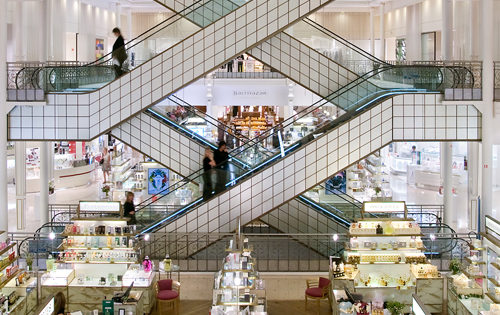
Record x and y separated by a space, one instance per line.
138 276
58 277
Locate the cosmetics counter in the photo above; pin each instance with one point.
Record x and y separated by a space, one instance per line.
97 259
384 261
238 288
18 288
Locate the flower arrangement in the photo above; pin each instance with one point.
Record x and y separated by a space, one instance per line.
395 308
106 189
455 266
52 187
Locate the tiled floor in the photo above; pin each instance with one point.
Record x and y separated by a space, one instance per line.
191 307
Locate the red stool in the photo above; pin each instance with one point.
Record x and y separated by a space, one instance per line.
167 296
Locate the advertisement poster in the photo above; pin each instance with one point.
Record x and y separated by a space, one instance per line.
158 181
337 182
99 48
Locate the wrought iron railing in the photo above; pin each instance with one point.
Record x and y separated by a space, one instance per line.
467 77
496 82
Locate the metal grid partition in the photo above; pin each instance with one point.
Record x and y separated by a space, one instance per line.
402 118
87 115
286 252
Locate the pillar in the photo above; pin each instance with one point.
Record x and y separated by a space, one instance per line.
44 181
413 32
447 179
372 32
50 30
118 14
487 40
129 24
18 30
20 156
447 32
381 54
474 31
473 170
3 117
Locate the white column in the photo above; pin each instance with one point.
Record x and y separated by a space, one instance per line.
473 170
447 32
44 182
50 30
118 14
381 54
474 31
18 32
4 222
447 179
487 40
129 23
413 32
372 32
20 156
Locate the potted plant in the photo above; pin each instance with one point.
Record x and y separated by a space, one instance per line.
455 266
29 261
394 307
105 189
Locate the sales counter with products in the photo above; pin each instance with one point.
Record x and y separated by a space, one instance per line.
475 290
97 259
384 261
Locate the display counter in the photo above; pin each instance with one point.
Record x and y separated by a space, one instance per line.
64 178
99 259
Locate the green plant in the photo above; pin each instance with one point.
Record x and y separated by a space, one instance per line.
378 190
455 266
395 307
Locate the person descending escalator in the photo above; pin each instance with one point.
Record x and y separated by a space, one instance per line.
220 157
208 166
119 53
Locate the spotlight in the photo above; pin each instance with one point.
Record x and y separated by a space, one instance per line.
52 235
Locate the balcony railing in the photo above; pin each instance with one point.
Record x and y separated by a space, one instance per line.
467 77
496 82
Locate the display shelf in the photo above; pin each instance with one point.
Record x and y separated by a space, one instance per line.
6 249
3 283
19 301
386 250
100 235
101 219
10 263
253 301
384 235
495 265
492 297
98 248
95 262
475 262
494 281
471 276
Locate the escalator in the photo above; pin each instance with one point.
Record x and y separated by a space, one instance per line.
103 105
252 191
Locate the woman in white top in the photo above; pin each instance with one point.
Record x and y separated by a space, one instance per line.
106 164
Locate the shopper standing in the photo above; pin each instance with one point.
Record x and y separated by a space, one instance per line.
240 63
106 164
208 165
220 157
129 208
119 54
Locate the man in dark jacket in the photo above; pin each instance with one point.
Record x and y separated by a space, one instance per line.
119 54
220 157
129 208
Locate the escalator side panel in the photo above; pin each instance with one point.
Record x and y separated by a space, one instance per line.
304 65
396 119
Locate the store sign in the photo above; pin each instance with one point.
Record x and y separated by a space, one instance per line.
259 95
100 206
48 309
381 207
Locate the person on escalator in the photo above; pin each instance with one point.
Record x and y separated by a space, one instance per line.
119 54
220 157
129 208
208 165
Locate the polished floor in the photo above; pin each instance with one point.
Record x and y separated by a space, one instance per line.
274 308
